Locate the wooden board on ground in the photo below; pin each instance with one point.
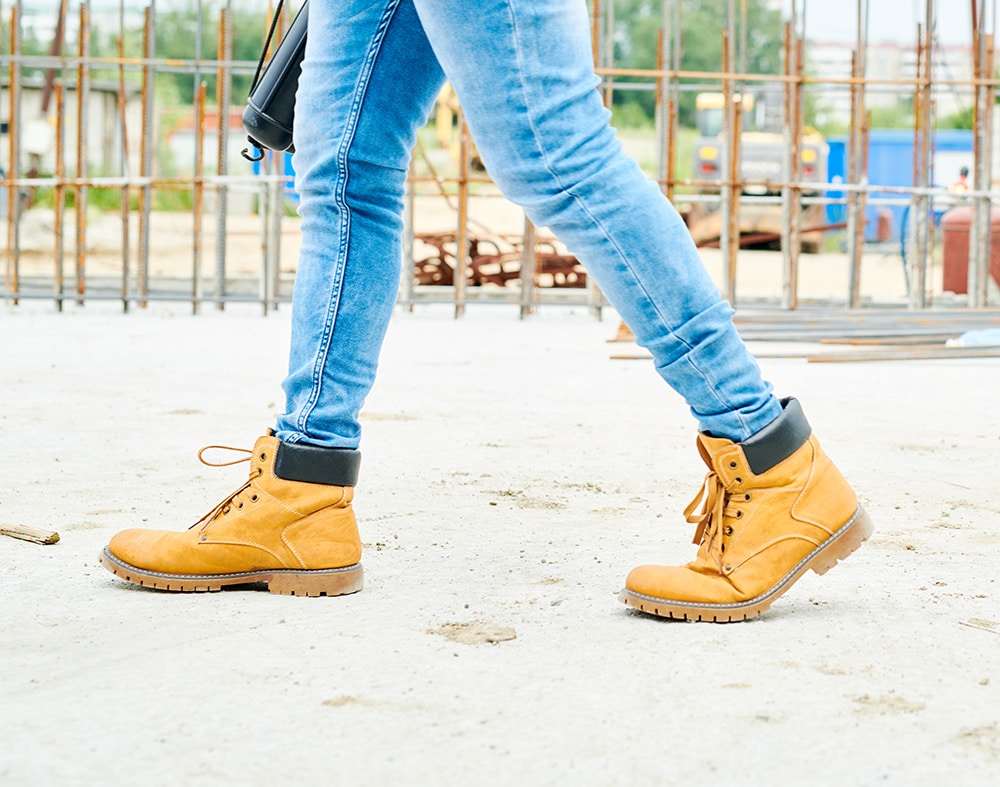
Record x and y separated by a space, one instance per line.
34 534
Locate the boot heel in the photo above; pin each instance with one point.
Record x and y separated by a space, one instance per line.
856 534
334 582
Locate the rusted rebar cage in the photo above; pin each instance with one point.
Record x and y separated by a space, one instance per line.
796 190
88 126
108 178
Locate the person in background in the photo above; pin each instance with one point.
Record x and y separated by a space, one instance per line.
962 184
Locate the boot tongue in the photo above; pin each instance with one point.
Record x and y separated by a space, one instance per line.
259 458
712 449
264 452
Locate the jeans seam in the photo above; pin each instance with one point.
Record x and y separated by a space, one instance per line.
582 204
329 325
636 280
715 393
536 137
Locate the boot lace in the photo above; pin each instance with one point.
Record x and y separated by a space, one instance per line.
236 499
710 521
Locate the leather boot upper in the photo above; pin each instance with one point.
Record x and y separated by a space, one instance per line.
752 528
269 522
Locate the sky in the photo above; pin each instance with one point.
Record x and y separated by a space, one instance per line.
890 21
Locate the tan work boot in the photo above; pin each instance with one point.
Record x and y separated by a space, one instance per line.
773 506
290 525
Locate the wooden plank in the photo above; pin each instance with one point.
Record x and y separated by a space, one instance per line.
945 353
886 354
937 339
34 534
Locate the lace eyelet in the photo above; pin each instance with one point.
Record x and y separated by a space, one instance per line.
739 514
729 530
738 480
263 457
733 465
254 498
747 497
240 505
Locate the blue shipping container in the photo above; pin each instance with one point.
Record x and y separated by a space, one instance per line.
890 163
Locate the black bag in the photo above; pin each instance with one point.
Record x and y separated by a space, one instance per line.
270 112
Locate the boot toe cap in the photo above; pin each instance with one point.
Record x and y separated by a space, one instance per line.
138 547
680 583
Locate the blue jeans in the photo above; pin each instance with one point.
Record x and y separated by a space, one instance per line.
523 72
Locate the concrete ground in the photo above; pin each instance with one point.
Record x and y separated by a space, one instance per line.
513 474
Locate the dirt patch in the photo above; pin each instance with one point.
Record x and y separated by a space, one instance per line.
474 633
887 704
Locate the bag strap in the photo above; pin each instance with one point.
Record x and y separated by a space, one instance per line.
256 79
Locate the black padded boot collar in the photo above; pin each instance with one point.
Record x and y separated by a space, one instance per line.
313 464
779 439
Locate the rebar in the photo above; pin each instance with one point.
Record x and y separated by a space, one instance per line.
80 191
729 172
529 268
462 232
791 195
125 206
59 192
981 226
857 151
12 278
272 232
923 111
146 163
73 73
198 234
223 87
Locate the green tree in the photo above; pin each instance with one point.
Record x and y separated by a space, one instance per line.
181 35
961 119
637 23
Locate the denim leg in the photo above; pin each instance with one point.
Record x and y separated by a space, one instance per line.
369 81
524 74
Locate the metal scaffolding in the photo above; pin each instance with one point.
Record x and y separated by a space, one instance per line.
474 262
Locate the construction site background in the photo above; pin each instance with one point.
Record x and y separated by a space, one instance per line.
103 153
515 470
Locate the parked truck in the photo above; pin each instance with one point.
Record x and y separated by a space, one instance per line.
762 165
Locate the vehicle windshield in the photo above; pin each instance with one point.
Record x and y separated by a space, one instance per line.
710 122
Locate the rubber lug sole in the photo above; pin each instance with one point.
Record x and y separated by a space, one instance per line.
824 557
285 582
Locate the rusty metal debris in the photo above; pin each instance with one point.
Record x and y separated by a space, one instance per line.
497 260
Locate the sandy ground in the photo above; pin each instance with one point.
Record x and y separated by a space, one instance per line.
513 474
